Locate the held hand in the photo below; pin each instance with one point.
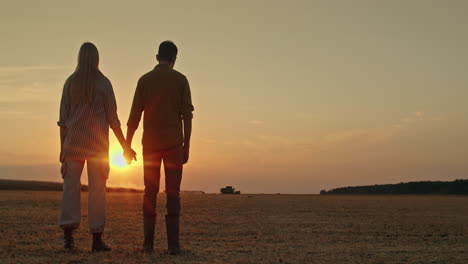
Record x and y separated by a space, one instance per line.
129 155
185 154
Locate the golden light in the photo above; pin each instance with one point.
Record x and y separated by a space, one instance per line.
117 159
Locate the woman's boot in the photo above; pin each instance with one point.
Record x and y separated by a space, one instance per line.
98 244
68 242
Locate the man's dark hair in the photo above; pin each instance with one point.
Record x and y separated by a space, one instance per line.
167 51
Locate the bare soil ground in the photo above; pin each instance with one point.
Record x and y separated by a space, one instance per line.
248 229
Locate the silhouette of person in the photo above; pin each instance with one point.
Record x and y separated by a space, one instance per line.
87 110
164 95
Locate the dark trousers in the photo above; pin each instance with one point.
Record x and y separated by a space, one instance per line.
172 159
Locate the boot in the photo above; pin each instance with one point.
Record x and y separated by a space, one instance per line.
98 244
148 229
69 243
172 229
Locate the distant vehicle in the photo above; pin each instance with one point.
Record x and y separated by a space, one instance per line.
229 190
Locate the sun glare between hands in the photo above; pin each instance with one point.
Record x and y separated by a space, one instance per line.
117 159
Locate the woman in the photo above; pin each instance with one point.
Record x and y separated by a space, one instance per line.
87 110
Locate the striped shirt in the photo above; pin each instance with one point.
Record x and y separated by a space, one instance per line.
87 125
164 95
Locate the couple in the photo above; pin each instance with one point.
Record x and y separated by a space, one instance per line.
87 110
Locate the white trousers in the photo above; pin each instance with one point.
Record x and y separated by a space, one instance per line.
98 171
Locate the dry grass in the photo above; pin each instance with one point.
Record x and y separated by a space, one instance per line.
249 229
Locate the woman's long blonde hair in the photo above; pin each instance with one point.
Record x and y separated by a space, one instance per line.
83 81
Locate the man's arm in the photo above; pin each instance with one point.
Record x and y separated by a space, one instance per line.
130 133
138 106
187 115
187 134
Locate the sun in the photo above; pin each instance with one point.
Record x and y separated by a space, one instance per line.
117 159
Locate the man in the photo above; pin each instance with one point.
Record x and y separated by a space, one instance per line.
164 95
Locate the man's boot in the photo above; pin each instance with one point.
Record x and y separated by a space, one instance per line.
148 228
68 242
98 244
172 229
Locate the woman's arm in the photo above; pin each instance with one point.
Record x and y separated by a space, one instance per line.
110 105
120 137
63 133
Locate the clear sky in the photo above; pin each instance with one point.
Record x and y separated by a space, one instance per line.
289 96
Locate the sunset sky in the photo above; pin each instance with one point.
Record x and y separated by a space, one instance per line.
289 96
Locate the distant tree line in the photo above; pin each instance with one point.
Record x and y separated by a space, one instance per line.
49 186
422 187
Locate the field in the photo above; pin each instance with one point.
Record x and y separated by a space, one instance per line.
248 229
